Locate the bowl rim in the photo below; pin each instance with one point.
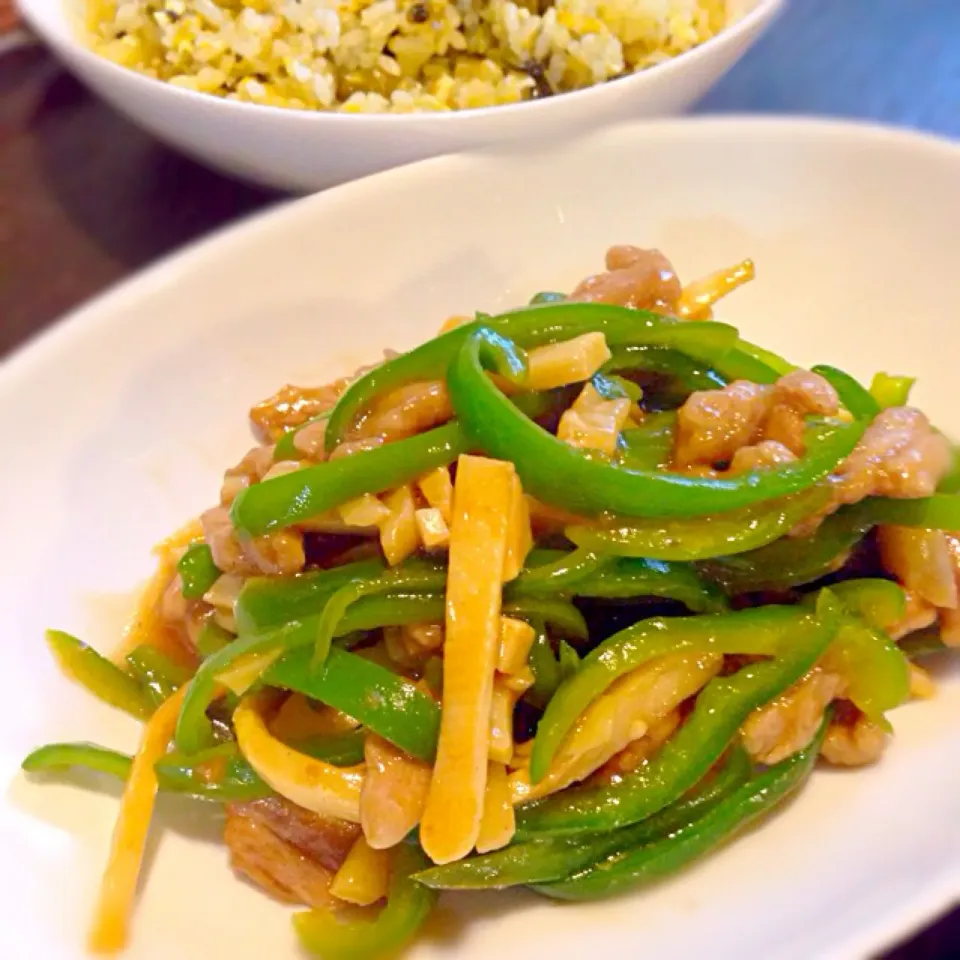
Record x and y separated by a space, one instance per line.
68 41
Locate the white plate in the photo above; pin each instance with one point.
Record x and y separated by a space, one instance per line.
120 421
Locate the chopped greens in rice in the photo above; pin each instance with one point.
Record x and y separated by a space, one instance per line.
395 56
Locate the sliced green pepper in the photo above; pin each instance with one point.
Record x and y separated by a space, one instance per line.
853 395
160 676
557 576
719 535
554 858
748 361
340 749
293 497
414 576
689 374
545 667
650 445
791 561
939 512
197 570
212 638
627 577
268 602
547 296
881 603
384 702
103 678
758 631
564 476
529 327
891 391
220 773
325 934
644 863
721 709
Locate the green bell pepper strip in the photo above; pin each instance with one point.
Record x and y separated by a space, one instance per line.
175 773
881 603
330 937
853 395
627 577
103 678
650 445
416 575
340 749
194 730
383 701
547 296
569 660
55 757
558 576
756 363
212 638
702 538
293 497
721 709
791 561
690 375
891 391
561 475
160 676
545 668
611 387
644 863
197 570
939 512
555 858
876 670
760 631
923 643
268 602
530 327
286 447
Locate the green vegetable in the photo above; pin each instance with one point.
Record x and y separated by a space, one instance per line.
792 561
220 773
628 577
547 296
383 701
327 935
293 497
545 667
564 476
721 708
881 603
414 576
529 327
562 575
268 602
197 570
891 391
939 512
159 675
751 362
104 679
340 749
569 660
554 858
689 374
212 638
720 535
759 631
855 397
650 445
635 865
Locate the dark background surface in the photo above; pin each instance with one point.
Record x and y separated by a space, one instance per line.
86 199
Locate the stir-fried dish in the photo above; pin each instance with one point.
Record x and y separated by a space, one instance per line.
562 598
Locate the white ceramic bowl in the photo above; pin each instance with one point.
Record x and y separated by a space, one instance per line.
304 151
138 402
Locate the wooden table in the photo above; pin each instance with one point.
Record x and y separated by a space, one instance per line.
85 198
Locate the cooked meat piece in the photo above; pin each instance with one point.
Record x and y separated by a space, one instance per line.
274 554
290 852
644 279
251 469
291 406
853 740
